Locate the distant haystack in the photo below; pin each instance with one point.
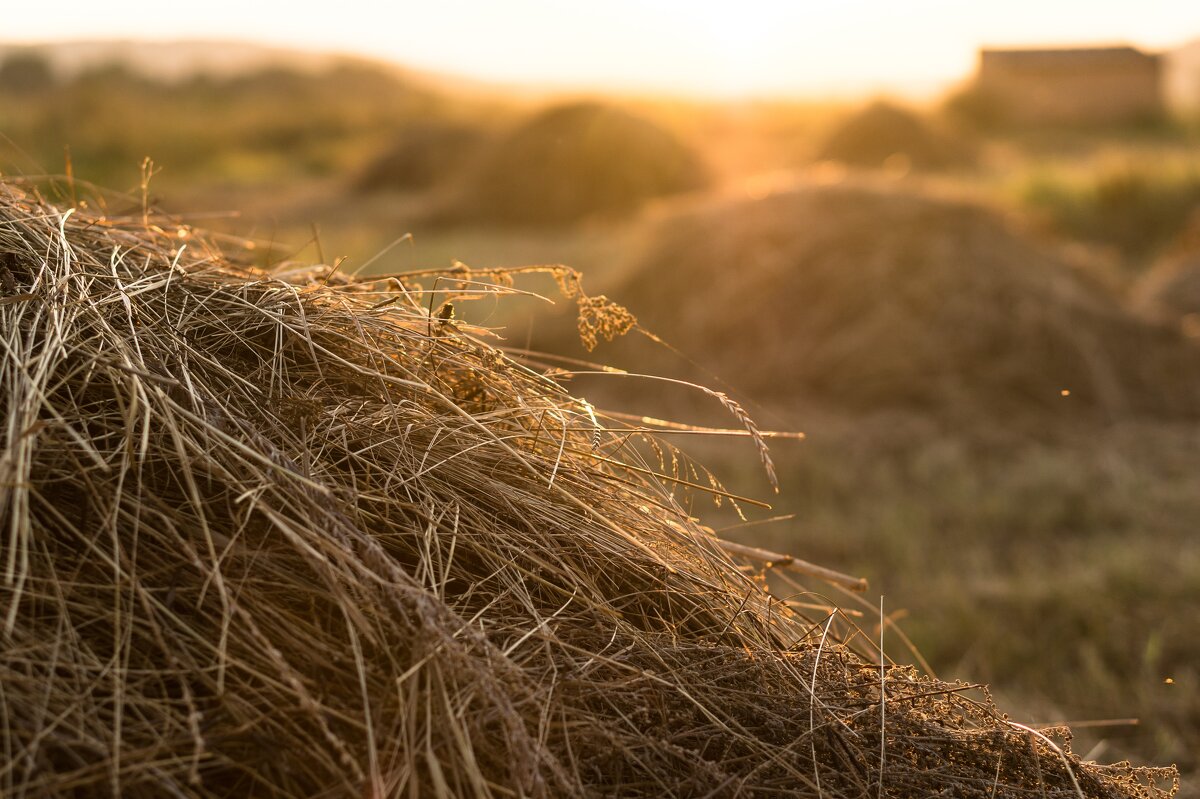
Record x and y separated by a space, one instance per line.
1171 290
886 134
422 155
24 72
872 297
575 161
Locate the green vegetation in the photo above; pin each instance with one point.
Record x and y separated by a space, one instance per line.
269 126
1136 205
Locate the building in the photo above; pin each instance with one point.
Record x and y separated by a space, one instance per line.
1072 85
1182 78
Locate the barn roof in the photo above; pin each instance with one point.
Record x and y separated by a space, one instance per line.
1065 56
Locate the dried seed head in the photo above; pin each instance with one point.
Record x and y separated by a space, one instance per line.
600 317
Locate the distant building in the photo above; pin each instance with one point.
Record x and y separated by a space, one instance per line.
1182 78
1072 85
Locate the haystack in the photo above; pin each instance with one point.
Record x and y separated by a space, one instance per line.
872 296
886 134
422 155
288 536
574 161
1170 291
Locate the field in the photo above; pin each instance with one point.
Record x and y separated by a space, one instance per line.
1035 536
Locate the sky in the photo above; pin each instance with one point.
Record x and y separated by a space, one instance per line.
699 47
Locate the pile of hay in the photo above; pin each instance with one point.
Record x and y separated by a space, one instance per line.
1171 290
299 538
884 134
570 162
872 296
422 155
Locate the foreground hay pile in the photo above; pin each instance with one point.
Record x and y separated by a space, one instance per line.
575 161
871 295
303 539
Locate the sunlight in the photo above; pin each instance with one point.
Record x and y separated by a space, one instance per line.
700 48
737 43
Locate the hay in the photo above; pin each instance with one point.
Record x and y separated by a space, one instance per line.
884 134
574 161
874 296
1170 291
422 155
299 538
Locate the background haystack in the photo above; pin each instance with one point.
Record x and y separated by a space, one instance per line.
869 296
1171 289
886 134
298 537
574 161
421 155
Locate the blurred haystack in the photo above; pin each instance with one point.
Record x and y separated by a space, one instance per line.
574 161
872 296
423 154
301 538
1171 290
885 135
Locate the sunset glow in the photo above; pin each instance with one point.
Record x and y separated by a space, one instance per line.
696 48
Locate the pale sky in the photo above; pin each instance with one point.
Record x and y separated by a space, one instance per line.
732 48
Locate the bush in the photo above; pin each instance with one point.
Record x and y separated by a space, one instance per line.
1136 209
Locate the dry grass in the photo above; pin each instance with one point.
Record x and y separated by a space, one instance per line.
292 535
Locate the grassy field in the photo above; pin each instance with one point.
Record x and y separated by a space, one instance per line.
1061 567
1062 572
